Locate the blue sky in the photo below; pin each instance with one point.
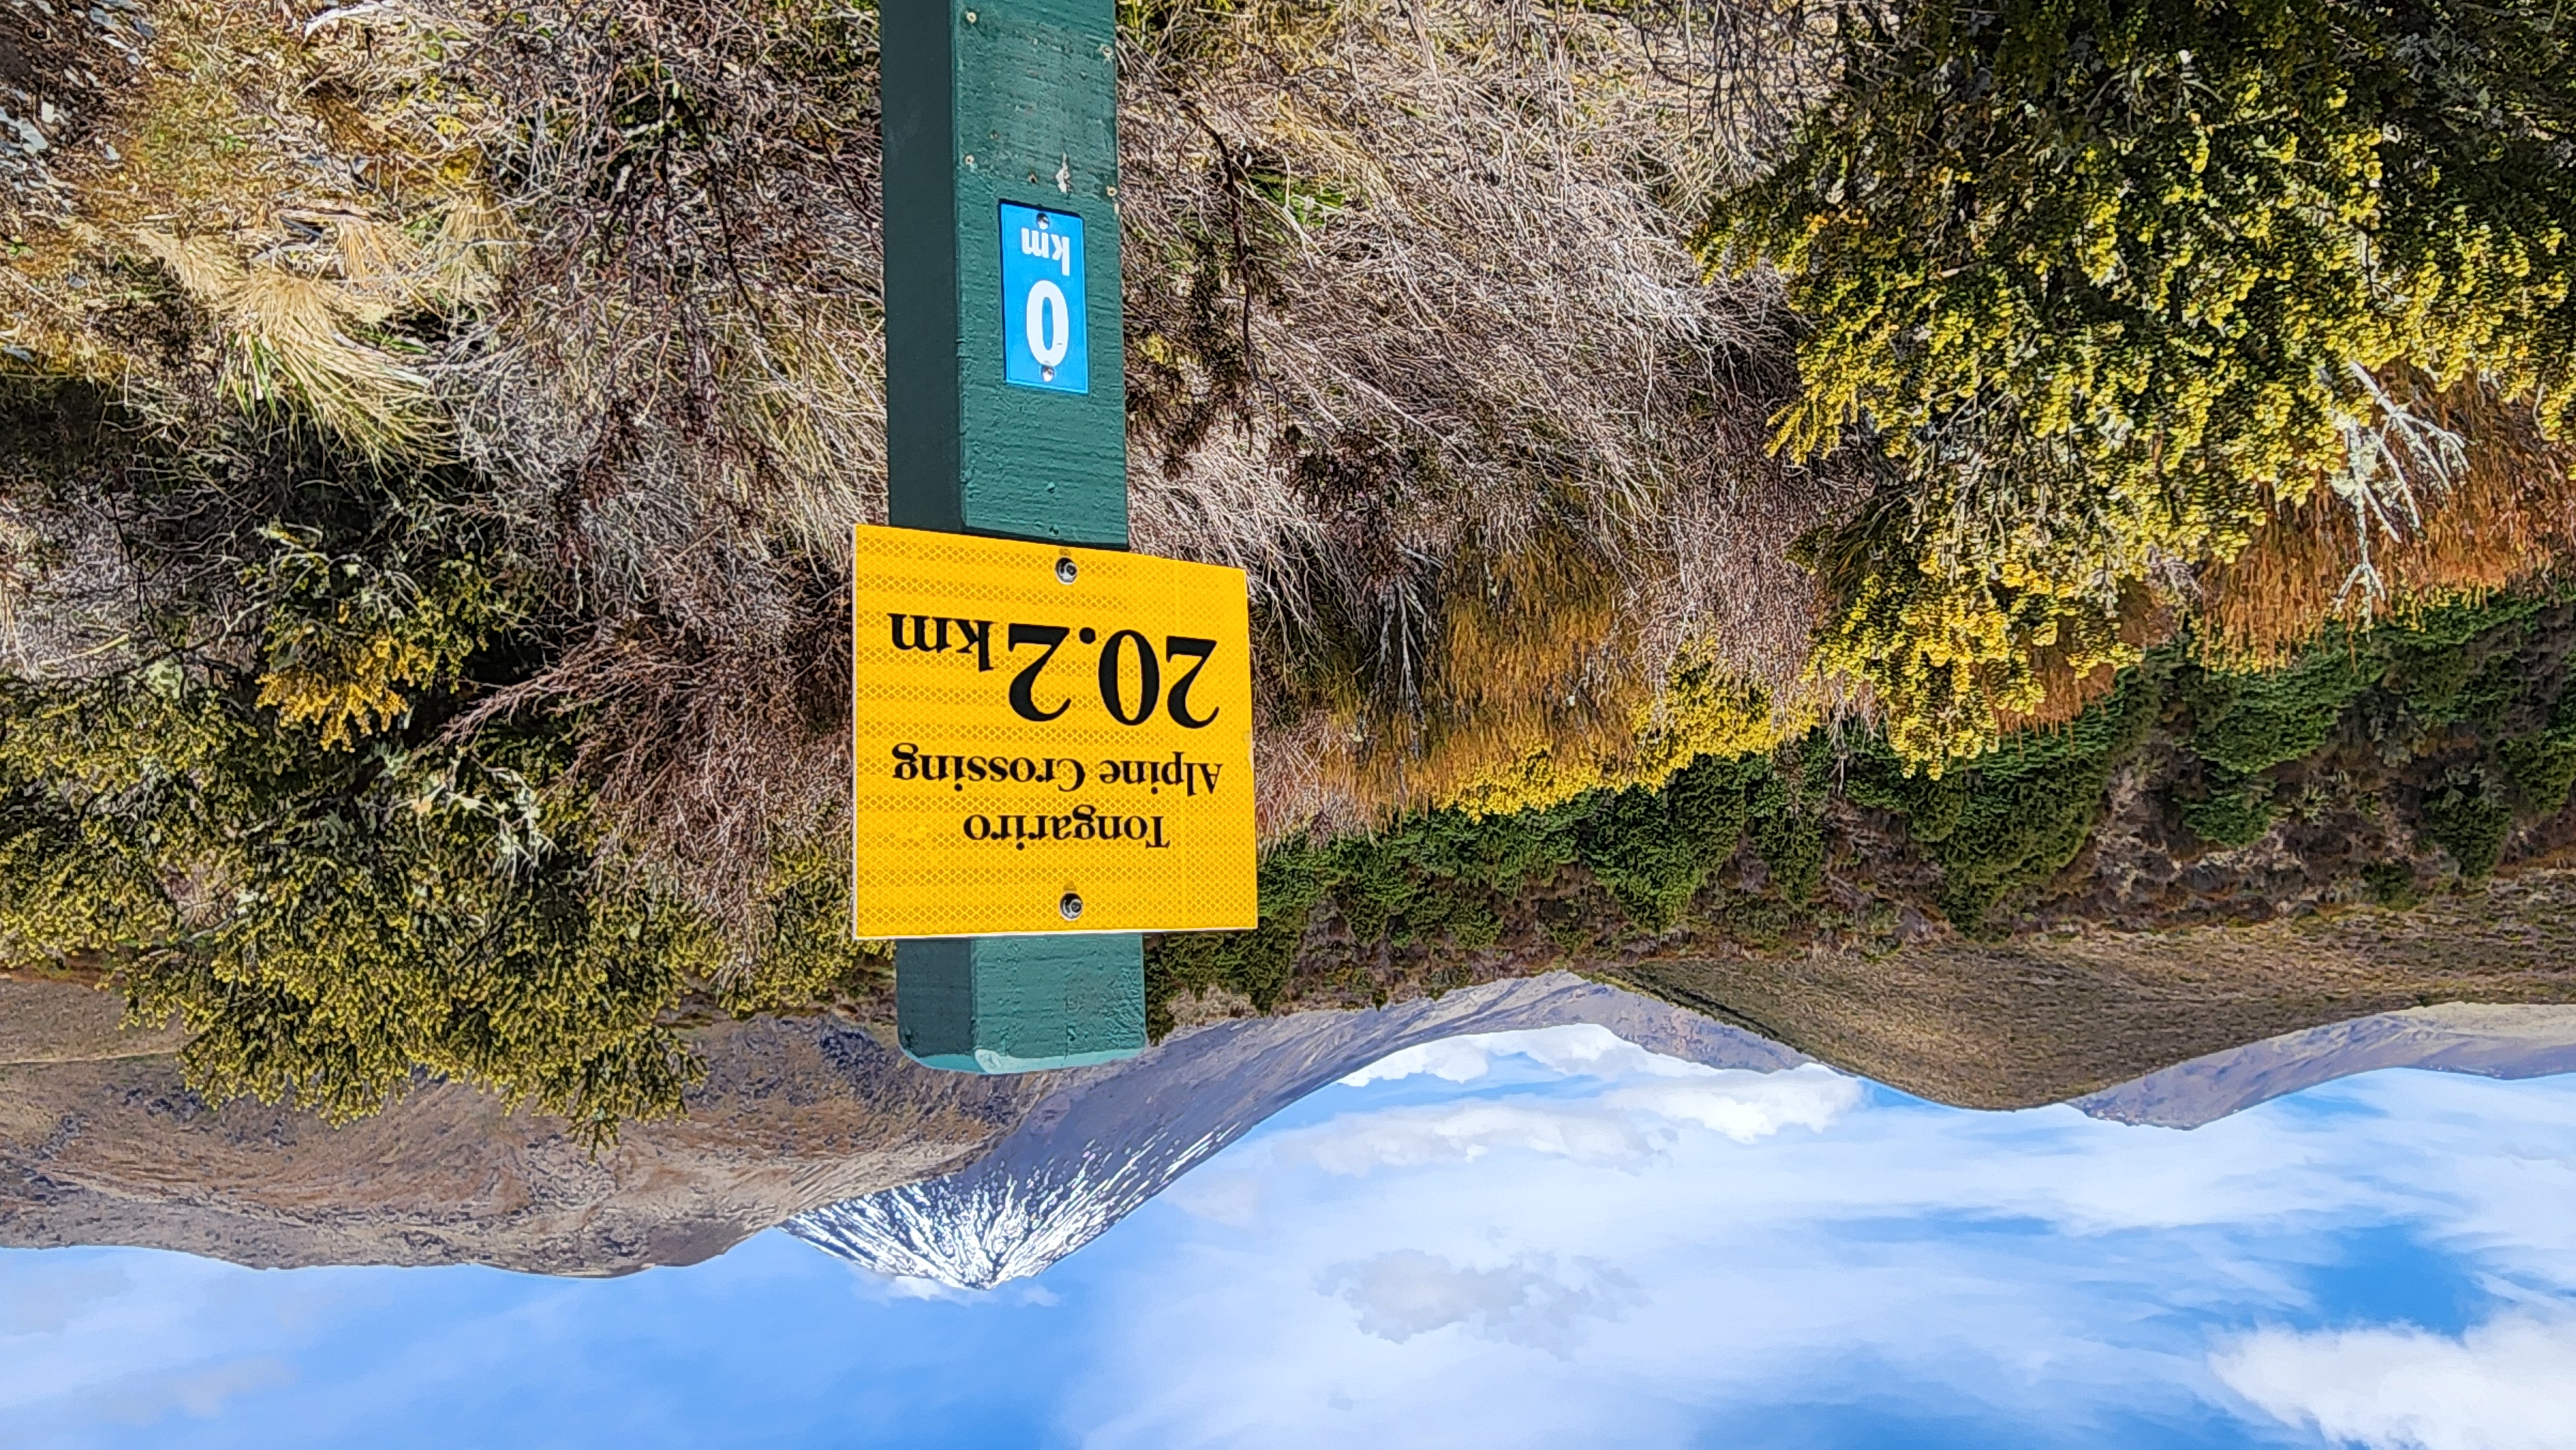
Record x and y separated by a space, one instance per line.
1545 1238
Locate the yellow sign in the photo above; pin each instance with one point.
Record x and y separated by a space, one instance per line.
1049 740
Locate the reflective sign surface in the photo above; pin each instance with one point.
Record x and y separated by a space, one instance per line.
1046 339
1048 739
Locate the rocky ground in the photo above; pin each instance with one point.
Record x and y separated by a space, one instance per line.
101 1144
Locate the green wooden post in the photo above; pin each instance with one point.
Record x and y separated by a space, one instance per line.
1006 415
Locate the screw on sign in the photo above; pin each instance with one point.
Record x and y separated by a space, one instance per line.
1046 736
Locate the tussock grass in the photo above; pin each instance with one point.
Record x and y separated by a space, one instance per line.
288 347
229 123
678 398
1415 338
2504 515
1418 342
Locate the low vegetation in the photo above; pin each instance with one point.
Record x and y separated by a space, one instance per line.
2381 765
1706 469
2104 287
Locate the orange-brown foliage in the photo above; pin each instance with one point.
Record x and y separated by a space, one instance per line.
1524 653
2507 518
2145 622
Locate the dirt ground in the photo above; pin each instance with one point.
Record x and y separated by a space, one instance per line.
56 1021
100 1143
2051 1017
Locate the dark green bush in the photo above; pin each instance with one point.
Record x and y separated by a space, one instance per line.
2456 663
2237 813
2468 816
1788 834
2392 884
2020 814
2541 769
1652 849
2245 724
1998 828
331 922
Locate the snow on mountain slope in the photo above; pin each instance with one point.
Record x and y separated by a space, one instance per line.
1117 1135
2491 1041
1113 1137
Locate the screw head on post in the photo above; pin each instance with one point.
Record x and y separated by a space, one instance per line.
1065 573
1071 906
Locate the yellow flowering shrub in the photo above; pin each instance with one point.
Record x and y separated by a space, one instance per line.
347 635
331 924
2105 283
1701 711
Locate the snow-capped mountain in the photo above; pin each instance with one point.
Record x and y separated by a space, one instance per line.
2490 1041
1115 1136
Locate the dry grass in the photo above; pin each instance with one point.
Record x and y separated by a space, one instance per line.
710 755
290 348
679 399
2504 516
233 125
2048 1018
689 340
1416 339
1418 343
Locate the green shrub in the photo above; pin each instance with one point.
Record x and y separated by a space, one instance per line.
2101 282
1295 878
1788 835
331 923
2016 817
2468 816
2457 663
2540 770
347 633
2237 813
2245 724
800 953
1652 849
2392 884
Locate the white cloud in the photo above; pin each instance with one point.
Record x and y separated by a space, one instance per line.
1412 1137
2509 1384
1526 1301
45 1303
1227 1195
1622 1127
1746 1105
1580 1049
95 1338
2024 1269
908 1286
1452 1059
200 1391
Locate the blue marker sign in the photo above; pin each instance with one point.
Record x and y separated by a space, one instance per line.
1044 341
